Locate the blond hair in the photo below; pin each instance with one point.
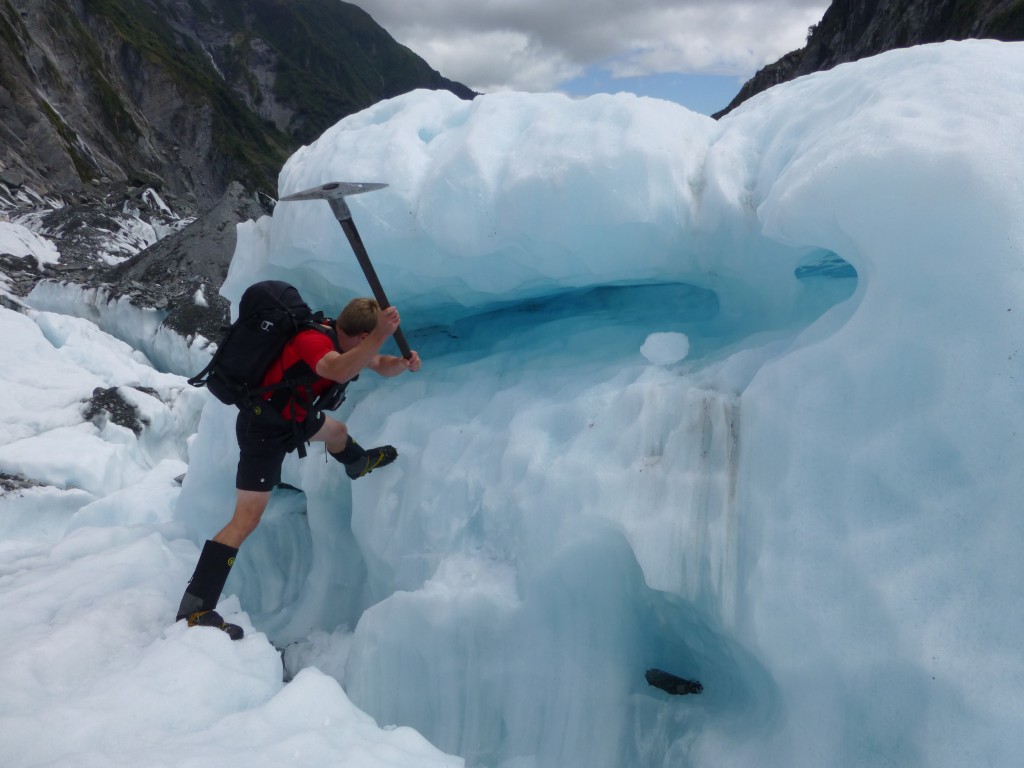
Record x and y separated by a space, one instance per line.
358 316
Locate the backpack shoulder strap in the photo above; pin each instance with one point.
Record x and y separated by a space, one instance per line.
300 374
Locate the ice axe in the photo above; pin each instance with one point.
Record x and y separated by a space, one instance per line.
334 193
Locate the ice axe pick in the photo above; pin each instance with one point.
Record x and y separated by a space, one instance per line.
334 193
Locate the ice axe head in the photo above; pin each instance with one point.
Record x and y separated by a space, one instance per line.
334 192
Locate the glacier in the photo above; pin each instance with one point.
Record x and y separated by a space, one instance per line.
736 400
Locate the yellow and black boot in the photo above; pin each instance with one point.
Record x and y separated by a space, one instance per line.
204 589
359 461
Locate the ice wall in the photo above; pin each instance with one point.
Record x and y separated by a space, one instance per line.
142 328
813 512
877 456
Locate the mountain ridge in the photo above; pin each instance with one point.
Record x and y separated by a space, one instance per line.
855 29
185 95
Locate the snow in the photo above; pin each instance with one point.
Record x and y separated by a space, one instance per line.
665 348
736 400
18 240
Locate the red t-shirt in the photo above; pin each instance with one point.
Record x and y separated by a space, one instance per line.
305 347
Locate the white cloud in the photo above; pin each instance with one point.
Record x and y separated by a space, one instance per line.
497 60
533 45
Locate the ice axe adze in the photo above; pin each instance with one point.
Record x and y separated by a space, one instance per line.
334 193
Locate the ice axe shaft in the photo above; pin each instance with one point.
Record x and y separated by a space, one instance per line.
340 208
334 193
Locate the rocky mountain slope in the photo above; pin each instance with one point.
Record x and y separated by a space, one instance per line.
184 96
855 29
135 134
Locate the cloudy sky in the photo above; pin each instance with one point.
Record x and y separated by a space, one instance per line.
696 52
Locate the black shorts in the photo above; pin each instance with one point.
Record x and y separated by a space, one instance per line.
263 444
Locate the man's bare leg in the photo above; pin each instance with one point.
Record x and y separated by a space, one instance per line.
333 433
249 508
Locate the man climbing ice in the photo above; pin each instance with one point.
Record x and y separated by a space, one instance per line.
288 418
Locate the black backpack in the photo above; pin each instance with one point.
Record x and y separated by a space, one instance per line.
270 313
